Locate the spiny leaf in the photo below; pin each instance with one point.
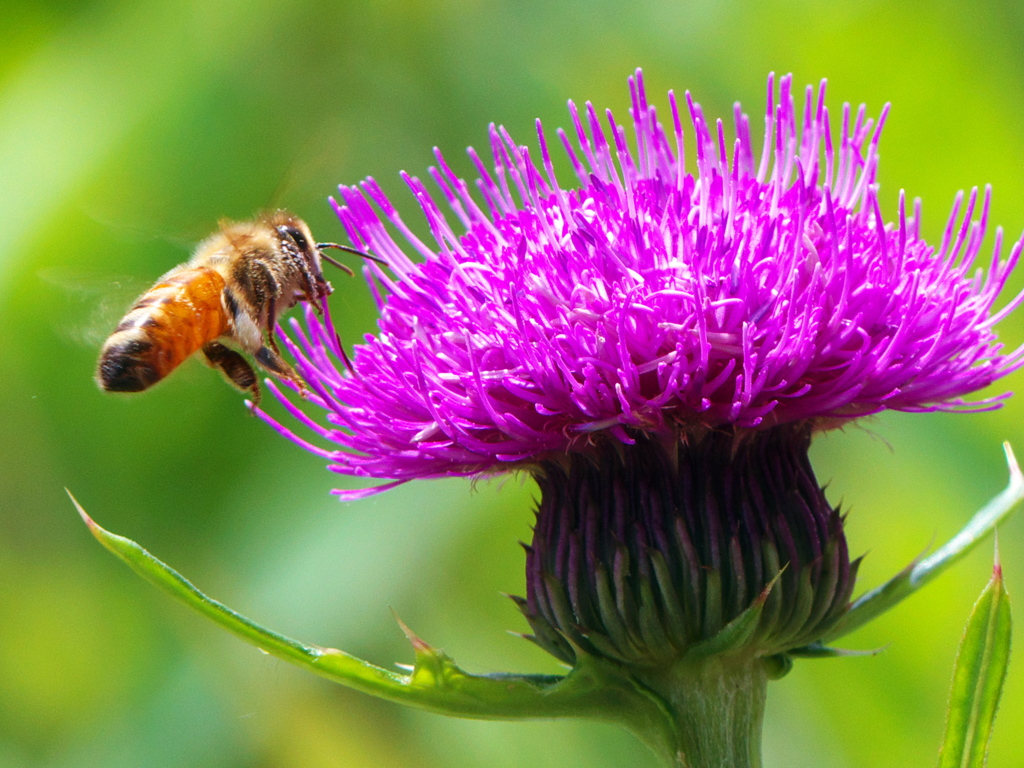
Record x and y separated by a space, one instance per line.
978 678
435 683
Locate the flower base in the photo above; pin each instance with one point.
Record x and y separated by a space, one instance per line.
646 554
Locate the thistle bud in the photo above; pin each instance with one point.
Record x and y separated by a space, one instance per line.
641 553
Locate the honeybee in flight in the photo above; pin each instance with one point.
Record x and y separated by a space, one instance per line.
234 288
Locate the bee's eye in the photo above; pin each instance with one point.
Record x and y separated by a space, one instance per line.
298 237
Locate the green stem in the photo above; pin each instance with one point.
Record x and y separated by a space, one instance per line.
716 708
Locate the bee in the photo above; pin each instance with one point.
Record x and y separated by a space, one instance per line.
234 288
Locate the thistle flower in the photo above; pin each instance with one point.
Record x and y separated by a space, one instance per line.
657 347
650 300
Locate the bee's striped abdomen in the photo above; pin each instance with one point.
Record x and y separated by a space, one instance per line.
171 321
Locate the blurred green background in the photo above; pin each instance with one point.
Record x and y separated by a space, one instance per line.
127 128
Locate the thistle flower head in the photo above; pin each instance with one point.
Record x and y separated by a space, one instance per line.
647 300
657 347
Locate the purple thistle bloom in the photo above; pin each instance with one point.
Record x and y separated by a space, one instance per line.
649 300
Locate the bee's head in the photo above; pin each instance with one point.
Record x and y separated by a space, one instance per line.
296 240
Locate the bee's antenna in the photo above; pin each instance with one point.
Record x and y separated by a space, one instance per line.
349 249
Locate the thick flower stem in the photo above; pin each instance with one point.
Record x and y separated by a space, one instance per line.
716 706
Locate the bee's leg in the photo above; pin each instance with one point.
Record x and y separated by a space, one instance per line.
265 288
318 301
269 359
235 368
271 338
315 289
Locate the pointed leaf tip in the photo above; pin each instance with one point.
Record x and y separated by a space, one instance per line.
126 549
418 644
762 598
101 534
81 512
1016 477
819 651
997 565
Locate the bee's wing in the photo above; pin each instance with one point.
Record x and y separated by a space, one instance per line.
88 305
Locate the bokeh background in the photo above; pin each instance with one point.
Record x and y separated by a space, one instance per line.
128 127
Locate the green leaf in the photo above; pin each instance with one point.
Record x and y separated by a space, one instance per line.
978 677
734 636
818 651
434 682
920 572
